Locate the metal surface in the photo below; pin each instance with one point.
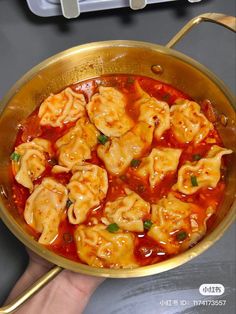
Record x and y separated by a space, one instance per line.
221 19
137 4
92 60
70 8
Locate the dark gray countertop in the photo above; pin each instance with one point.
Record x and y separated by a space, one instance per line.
25 40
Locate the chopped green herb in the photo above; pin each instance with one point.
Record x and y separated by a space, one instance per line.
67 237
15 156
103 139
130 80
68 203
197 157
135 163
52 161
194 181
112 227
166 97
147 224
181 236
140 188
124 177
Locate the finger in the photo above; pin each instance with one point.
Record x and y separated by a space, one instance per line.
67 285
66 294
33 272
39 260
81 283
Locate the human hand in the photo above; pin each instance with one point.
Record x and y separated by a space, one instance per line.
68 293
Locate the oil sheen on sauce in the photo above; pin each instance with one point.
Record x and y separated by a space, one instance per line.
147 250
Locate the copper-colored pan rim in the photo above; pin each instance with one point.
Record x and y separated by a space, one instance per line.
120 273
116 43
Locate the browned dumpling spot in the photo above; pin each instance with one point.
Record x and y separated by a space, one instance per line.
45 208
100 248
107 111
153 112
127 211
66 106
76 145
177 224
188 123
31 161
87 188
193 176
118 152
158 164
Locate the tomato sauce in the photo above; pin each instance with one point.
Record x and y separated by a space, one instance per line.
147 251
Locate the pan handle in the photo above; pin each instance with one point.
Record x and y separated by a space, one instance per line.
221 19
30 291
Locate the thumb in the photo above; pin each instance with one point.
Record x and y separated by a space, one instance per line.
68 293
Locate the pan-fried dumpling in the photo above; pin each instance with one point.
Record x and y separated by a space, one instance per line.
66 106
87 187
31 161
158 164
118 153
99 248
188 123
127 211
45 209
107 111
204 173
176 223
76 145
153 112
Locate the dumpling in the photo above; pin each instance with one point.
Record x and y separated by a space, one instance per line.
127 211
87 188
153 112
60 169
99 248
204 173
188 123
176 223
31 161
118 153
158 164
66 106
45 208
76 145
107 111
168 216
198 228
